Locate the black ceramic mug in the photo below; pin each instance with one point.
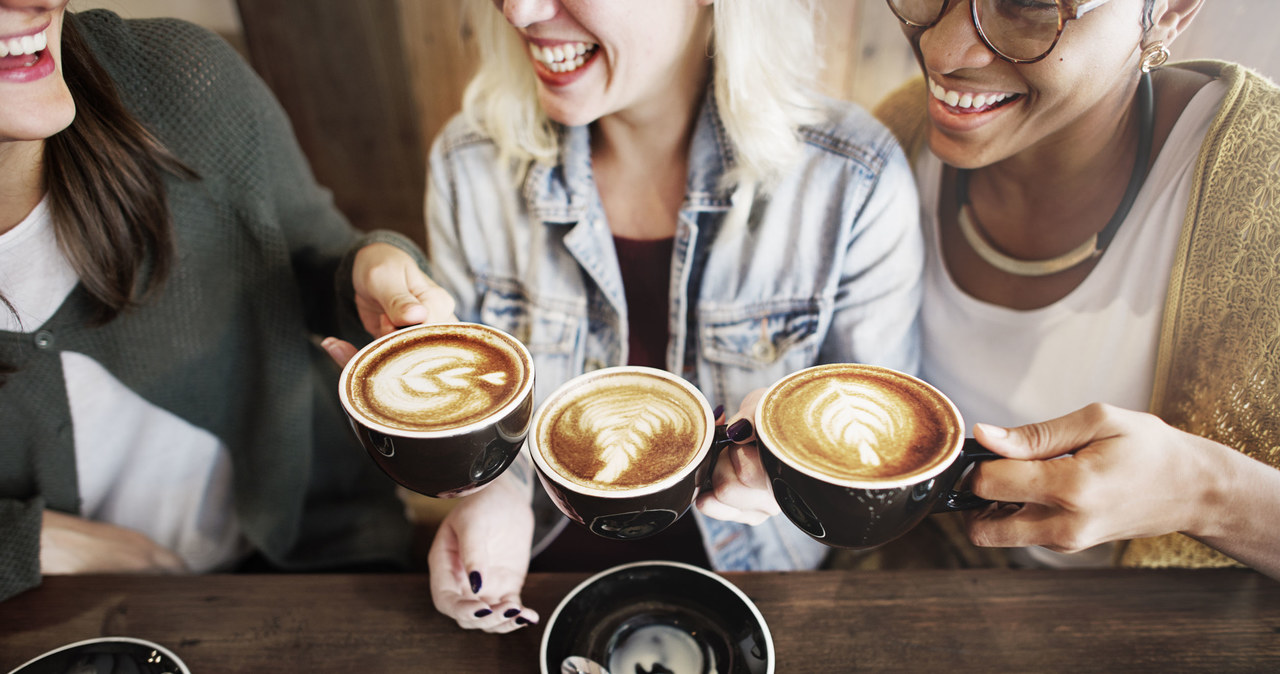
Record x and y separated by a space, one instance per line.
624 451
442 409
857 455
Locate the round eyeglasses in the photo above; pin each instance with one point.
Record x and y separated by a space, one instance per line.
1018 31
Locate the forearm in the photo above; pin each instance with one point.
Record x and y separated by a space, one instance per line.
1240 506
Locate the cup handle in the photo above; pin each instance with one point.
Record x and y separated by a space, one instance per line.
718 442
954 499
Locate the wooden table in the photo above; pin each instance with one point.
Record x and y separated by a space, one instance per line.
822 621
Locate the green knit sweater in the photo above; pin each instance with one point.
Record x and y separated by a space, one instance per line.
226 343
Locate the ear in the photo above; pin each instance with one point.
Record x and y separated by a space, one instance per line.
1171 17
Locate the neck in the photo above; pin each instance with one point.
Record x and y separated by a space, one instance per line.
21 181
1095 153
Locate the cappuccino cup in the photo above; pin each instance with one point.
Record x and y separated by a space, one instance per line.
857 455
442 409
624 451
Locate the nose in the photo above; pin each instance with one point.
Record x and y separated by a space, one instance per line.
953 43
523 13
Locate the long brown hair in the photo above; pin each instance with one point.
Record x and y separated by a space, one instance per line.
104 174
107 198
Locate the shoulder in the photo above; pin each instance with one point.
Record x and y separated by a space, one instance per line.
141 53
183 81
460 135
849 132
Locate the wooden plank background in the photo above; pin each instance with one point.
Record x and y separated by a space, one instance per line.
368 84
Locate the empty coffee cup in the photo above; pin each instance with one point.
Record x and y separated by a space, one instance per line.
857 455
442 409
624 451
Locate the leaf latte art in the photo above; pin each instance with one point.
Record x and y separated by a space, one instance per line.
437 381
856 422
621 431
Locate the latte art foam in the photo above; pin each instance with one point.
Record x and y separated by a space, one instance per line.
435 379
854 422
621 430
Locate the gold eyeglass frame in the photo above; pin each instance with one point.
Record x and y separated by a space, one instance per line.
1067 10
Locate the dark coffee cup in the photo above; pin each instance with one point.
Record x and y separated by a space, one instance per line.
857 455
624 451
659 617
442 409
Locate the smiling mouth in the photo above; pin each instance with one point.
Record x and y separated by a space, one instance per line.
969 102
28 46
564 58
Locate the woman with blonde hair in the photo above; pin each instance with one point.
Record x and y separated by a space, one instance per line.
658 184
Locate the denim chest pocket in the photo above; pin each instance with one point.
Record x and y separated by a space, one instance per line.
546 327
753 348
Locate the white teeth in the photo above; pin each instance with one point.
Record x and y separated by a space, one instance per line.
965 100
562 58
22 46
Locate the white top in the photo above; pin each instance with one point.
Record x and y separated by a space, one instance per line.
138 466
1098 344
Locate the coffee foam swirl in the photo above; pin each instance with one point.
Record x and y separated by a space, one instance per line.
854 422
437 380
621 430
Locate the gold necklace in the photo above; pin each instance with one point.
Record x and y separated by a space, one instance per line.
978 240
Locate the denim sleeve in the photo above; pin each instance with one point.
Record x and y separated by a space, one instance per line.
445 253
876 316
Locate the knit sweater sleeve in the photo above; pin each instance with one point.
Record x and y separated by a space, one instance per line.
20 554
217 115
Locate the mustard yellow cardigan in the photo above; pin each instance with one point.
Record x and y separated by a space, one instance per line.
1218 362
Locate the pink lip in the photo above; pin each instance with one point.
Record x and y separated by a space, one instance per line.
21 69
554 79
956 119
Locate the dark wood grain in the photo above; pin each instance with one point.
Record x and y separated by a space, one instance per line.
340 70
823 621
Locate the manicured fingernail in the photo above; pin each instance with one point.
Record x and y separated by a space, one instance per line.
718 412
739 430
511 612
523 621
994 431
474 577
483 612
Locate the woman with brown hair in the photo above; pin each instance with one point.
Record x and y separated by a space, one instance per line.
164 256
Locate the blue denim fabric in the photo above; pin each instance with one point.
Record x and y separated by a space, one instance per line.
825 268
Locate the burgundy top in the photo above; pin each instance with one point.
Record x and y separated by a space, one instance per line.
646 274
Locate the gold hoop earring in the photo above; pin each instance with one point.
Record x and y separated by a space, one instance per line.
1154 55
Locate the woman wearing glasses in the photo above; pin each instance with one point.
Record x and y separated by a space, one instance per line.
1101 229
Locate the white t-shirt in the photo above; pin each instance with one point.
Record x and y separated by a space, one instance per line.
138 466
1098 344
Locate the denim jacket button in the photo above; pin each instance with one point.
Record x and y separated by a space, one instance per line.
43 340
764 351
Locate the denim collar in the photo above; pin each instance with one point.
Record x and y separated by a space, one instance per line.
565 193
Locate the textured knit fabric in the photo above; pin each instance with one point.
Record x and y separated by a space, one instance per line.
226 344
1219 356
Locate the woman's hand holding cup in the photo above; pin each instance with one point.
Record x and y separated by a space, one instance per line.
739 486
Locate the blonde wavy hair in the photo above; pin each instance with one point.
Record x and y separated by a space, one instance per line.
764 57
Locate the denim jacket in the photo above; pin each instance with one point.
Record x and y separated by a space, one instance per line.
825 267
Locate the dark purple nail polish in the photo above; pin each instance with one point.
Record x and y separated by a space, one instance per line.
739 430
718 412
523 621
483 612
511 612
474 577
